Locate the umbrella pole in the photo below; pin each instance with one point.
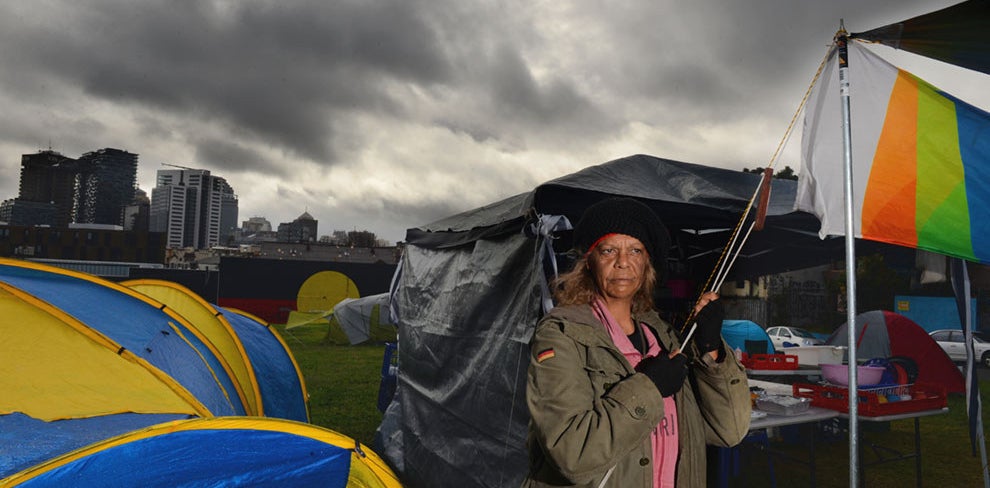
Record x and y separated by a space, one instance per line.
841 39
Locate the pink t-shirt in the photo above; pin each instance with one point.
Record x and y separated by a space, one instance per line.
664 435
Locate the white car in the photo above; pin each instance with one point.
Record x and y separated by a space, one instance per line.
953 342
794 336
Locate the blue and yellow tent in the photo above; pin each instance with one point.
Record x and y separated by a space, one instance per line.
98 378
283 390
260 358
222 451
134 323
66 385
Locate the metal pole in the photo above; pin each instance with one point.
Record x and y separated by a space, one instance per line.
841 40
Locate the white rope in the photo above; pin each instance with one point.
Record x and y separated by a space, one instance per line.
721 277
724 267
720 280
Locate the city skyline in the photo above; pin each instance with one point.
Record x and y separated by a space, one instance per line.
51 181
390 115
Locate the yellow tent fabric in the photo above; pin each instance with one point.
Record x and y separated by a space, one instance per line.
54 367
27 267
298 319
208 321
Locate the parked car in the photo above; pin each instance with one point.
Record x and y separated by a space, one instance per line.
952 341
793 336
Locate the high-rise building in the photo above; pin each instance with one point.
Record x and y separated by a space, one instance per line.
137 213
303 229
256 224
46 192
168 214
189 205
228 212
105 184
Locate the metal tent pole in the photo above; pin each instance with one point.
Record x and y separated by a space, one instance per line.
841 40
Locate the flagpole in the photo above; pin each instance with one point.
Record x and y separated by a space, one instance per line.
974 410
841 39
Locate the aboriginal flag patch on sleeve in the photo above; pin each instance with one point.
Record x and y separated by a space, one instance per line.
544 355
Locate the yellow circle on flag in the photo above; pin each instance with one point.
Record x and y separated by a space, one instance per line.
321 291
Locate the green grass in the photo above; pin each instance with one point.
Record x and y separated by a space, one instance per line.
947 459
343 386
342 381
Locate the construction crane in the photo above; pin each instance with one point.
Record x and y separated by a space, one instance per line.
182 167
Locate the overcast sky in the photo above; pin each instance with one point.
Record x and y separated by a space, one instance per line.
385 115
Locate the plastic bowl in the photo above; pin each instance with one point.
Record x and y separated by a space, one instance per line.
838 374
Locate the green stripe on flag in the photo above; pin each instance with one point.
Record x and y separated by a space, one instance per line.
942 216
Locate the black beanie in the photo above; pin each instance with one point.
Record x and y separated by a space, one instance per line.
625 216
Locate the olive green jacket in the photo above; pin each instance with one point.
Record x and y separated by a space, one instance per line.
592 414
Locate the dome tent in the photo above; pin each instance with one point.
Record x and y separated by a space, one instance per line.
218 451
883 334
261 360
83 406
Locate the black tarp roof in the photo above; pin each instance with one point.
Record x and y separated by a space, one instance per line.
699 204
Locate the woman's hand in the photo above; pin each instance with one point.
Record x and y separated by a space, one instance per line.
667 372
706 298
709 314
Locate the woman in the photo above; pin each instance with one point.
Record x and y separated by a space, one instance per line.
613 401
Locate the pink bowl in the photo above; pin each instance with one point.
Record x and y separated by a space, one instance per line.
838 374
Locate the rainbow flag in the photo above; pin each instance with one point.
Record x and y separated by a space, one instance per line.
921 160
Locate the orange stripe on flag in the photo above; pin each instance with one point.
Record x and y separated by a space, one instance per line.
889 201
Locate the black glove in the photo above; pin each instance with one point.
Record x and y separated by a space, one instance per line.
667 373
708 337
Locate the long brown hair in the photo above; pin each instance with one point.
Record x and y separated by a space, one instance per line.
578 286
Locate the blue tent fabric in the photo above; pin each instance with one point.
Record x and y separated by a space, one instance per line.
37 441
282 392
737 332
138 326
207 457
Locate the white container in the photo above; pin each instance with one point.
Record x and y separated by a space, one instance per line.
815 355
783 404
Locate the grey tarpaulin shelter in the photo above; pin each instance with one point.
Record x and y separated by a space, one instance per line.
471 287
355 317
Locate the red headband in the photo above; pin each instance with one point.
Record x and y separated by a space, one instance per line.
598 241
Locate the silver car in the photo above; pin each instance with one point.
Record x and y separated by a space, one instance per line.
952 341
795 336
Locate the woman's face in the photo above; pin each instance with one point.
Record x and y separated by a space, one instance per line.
618 264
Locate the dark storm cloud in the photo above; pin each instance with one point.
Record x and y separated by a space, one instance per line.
707 60
508 102
226 157
518 96
280 71
320 102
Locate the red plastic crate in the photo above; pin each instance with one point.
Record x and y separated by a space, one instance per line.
770 361
874 402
